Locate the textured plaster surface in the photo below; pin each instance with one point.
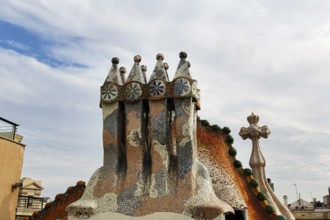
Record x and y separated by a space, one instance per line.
134 137
223 184
155 216
159 138
110 133
86 206
205 196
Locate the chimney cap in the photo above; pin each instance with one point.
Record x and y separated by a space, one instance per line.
115 60
160 56
122 70
183 55
166 66
137 59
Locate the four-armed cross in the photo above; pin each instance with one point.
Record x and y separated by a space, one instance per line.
254 132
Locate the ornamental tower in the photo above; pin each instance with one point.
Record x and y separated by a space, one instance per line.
112 115
135 130
185 122
160 131
150 148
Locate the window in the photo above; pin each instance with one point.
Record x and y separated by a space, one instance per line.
239 215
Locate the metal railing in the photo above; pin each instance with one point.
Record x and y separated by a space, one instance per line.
30 203
7 128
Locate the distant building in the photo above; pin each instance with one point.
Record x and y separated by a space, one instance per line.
301 204
304 210
326 199
29 199
11 162
316 214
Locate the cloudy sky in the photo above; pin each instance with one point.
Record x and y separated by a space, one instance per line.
268 57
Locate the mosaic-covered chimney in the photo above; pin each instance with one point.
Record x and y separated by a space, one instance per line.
150 147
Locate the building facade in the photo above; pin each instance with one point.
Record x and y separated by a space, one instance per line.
11 162
29 199
304 210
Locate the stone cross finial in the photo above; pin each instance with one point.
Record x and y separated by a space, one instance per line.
258 163
254 130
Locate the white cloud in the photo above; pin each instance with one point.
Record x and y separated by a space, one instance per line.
34 83
15 44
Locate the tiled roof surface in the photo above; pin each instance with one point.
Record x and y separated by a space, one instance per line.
217 144
56 209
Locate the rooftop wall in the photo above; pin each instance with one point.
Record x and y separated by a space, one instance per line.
11 161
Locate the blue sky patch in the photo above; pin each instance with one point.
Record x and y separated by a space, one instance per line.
32 44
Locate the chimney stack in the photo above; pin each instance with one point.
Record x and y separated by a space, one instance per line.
269 180
285 198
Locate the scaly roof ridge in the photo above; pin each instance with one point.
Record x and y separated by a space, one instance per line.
232 152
